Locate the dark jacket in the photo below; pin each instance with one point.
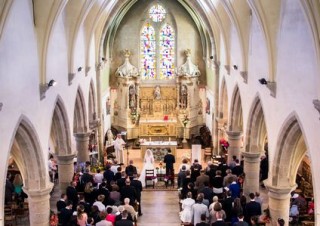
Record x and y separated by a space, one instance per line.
169 160
130 170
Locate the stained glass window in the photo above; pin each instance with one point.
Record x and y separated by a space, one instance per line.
148 52
157 13
157 47
166 52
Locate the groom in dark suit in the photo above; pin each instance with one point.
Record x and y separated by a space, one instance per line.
169 160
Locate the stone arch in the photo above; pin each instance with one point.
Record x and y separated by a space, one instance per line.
60 131
80 116
290 150
256 130
235 120
223 104
27 153
92 103
255 137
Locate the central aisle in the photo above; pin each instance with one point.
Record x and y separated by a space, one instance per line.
159 208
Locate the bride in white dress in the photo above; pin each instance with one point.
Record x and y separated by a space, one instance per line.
148 165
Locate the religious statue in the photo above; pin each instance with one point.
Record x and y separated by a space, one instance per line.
132 98
157 93
108 106
208 106
110 137
183 97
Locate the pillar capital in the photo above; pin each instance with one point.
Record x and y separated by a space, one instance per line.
39 205
251 156
38 194
235 142
279 192
234 135
81 136
279 201
65 159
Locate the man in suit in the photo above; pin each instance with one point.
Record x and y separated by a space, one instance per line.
241 221
108 175
203 221
72 194
122 181
131 169
124 221
138 186
181 177
169 160
227 206
66 214
238 169
220 221
201 180
128 191
253 208
86 177
62 202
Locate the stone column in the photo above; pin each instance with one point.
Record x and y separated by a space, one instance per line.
218 134
252 170
66 169
39 206
82 145
279 202
234 139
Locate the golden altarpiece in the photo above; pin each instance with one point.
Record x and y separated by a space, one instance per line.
158 111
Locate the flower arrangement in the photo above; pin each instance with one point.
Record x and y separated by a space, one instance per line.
185 120
266 218
53 219
224 143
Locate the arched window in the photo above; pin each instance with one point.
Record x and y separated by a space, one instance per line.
157 46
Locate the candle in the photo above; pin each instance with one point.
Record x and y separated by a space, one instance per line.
169 139
149 139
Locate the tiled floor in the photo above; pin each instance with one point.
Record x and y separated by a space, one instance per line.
160 208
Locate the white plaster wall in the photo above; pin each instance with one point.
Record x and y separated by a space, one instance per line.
296 77
19 79
236 58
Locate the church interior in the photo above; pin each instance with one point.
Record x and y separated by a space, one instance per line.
212 80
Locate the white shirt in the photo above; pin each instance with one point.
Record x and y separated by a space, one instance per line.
100 206
98 178
104 223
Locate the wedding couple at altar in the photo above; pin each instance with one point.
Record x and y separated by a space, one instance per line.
169 160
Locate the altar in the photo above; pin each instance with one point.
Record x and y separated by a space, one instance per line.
155 108
158 148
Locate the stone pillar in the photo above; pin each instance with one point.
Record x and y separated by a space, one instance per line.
252 170
39 206
279 202
219 132
234 139
82 145
66 169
